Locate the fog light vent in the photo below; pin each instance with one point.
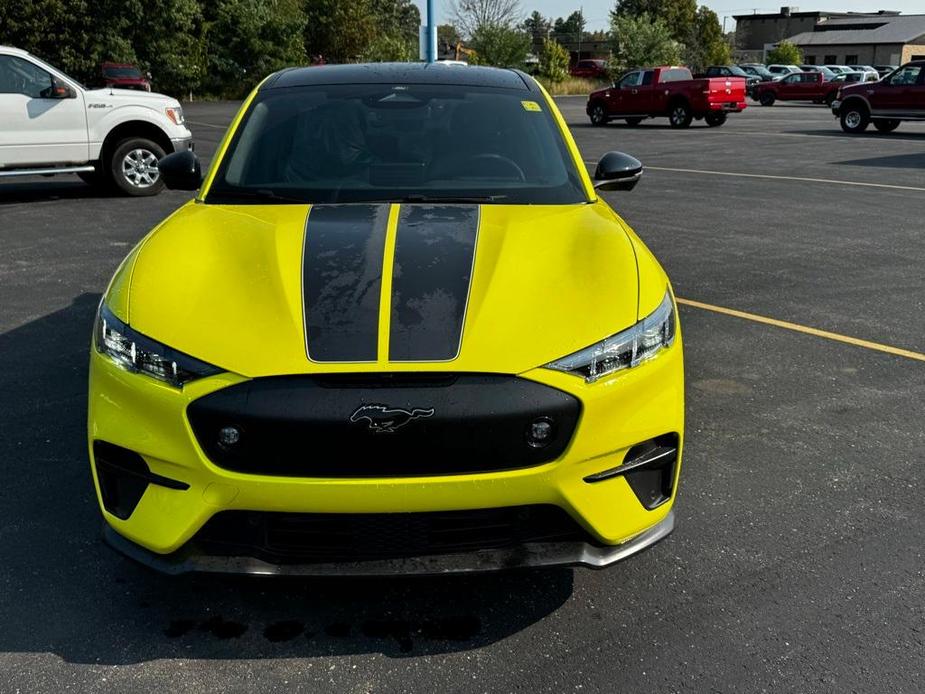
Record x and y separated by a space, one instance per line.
649 469
123 476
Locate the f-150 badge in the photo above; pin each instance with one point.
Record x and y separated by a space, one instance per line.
385 420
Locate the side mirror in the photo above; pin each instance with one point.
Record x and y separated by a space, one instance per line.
181 171
617 171
59 90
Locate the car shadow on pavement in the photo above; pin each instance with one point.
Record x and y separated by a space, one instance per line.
61 189
66 593
897 161
870 134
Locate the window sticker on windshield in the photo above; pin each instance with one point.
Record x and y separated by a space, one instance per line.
531 106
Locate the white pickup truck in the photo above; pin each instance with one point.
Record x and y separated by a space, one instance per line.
51 124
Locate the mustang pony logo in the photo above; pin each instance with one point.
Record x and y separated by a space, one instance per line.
385 420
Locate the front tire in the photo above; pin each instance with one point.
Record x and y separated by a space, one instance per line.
886 126
680 115
766 98
133 167
714 120
854 118
598 114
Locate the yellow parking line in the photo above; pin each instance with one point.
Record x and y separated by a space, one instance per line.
908 354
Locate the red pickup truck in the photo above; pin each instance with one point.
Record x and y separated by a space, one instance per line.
798 86
897 97
667 91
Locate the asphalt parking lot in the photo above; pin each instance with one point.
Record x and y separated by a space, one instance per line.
797 562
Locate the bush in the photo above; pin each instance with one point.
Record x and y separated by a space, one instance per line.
554 60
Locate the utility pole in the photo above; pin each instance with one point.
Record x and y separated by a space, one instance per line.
431 33
581 20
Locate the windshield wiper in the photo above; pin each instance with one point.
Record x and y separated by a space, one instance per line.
259 194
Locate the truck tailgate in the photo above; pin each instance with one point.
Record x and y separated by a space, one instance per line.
725 92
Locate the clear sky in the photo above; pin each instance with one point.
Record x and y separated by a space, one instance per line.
597 11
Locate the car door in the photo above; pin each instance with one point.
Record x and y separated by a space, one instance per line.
788 86
900 94
40 125
625 93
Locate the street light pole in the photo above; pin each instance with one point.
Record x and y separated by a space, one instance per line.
431 33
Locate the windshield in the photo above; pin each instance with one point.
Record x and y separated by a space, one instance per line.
358 143
130 72
737 71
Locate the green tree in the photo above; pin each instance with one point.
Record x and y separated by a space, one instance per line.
786 53
678 15
389 49
569 27
248 39
537 26
554 60
640 41
706 45
338 31
500 46
58 31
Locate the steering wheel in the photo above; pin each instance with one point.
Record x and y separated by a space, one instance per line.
500 159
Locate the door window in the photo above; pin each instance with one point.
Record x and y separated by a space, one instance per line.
18 76
634 79
906 75
792 78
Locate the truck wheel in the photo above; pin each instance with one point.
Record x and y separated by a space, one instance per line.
598 115
133 167
766 98
680 115
886 126
714 120
854 118
633 122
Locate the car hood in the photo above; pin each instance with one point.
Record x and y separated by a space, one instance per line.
281 289
132 96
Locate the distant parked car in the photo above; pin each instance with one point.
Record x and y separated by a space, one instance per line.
860 76
799 86
829 74
124 76
751 81
590 69
759 71
781 70
885 70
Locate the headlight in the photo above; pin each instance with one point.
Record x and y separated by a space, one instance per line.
624 350
139 354
175 114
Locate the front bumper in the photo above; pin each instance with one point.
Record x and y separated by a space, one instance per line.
532 555
836 108
183 144
135 412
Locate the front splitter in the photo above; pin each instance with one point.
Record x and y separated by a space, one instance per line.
535 554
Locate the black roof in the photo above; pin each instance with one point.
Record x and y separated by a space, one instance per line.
400 73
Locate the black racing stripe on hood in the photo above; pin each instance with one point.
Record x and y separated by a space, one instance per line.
342 280
434 253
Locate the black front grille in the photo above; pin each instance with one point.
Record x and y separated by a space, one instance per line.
383 425
335 537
